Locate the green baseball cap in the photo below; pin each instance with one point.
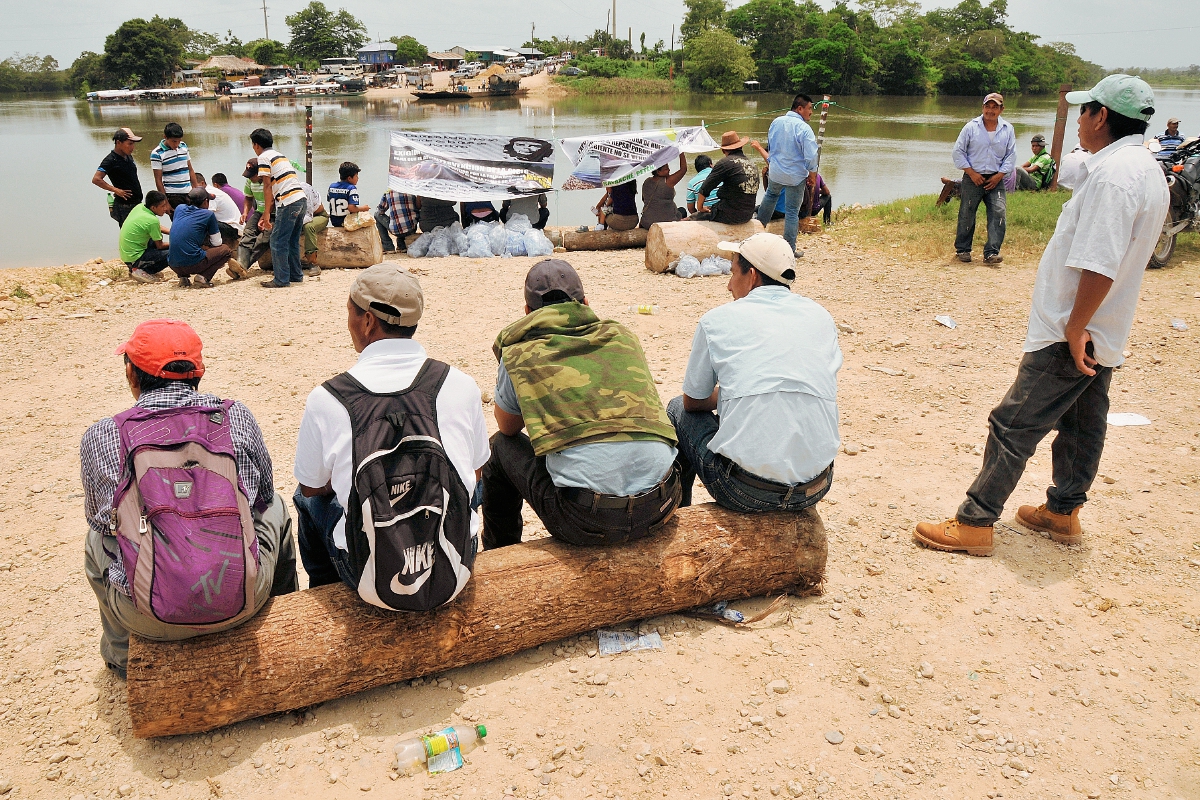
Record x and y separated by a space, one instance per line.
1127 95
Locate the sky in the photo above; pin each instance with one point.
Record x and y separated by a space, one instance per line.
1112 33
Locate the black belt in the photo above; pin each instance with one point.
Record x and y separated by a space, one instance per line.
595 500
815 485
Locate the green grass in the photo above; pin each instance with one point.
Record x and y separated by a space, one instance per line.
18 291
618 86
69 281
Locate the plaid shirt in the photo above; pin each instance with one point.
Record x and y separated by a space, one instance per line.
100 462
401 211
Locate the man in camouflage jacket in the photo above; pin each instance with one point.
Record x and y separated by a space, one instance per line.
597 465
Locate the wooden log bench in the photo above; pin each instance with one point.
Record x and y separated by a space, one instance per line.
321 644
666 241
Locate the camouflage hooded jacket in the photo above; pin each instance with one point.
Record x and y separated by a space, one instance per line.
580 379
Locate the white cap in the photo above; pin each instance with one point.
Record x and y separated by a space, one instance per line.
769 253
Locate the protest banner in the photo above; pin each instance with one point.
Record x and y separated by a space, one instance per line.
609 159
469 166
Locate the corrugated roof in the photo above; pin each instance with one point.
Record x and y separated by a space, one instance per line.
378 47
445 56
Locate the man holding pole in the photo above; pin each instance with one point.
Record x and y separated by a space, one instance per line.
986 151
792 162
1083 305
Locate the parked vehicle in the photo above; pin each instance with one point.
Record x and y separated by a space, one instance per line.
574 71
349 83
1183 179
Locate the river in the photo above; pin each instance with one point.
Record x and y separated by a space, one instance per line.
876 148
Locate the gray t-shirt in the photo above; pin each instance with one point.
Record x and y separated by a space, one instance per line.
622 469
658 202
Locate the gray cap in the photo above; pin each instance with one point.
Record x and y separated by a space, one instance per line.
391 293
197 196
548 276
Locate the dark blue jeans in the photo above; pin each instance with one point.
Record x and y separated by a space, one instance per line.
695 431
285 242
996 202
323 560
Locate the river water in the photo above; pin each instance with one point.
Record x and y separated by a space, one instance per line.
876 148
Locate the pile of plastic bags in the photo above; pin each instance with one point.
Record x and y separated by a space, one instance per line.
483 240
692 267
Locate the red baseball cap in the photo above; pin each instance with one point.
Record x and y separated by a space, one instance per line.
157 342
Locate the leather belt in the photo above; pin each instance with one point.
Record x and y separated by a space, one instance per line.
815 485
595 500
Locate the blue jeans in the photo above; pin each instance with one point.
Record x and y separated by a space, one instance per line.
793 196
285 242
695 430
323 560
995 201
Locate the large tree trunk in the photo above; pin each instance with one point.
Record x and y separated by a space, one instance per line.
604 240
338 248
321 644
669 240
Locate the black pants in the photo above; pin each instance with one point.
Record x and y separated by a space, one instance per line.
120 211
514 474
152 262
1048 394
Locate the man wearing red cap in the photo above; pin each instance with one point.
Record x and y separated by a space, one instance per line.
163 367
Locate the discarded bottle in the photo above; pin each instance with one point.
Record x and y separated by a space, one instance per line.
440 752
644 308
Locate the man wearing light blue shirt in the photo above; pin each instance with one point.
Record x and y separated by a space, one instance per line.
986 151
767 364
792 158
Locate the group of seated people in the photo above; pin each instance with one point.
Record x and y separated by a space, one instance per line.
757 423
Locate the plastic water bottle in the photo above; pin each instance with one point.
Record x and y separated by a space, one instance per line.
440 752
644 308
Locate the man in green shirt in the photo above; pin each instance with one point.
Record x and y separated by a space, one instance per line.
1035 174
141 245
255 245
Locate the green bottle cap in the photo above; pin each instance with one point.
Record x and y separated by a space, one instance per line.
482 731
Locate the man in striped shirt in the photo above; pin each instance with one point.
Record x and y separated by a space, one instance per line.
172 166
283 192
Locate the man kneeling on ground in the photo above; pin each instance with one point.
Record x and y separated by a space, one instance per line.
158 588
597 465
767 363
385 305
141 246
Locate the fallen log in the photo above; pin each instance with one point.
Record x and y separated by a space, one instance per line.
338 248
322 644
604 240
666 241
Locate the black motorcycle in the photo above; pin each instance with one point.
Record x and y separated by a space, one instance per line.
1183 178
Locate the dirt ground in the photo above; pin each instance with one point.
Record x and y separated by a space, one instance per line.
1053 672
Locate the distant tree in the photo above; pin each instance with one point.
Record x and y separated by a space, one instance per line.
409 50
146 51
702 15
903 69
88 69
715 61
889 12
267 52
837 63
230 46
620 49
769 27
200 45
31 73
319 33
642 41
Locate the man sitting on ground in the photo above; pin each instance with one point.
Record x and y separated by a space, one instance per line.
239 199
532 206
196 250
254 243
396 216
384 307
163 367
735 181
767 363
229 216
141 246
1036 173
596 466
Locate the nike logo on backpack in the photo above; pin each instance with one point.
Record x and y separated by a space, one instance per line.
396 493
416 559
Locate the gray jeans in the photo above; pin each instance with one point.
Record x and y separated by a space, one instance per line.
118 617
1048 394
995 201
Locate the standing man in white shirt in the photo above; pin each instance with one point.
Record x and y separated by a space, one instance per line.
229 216
767 363
284 194
986 151
1083 305
384 307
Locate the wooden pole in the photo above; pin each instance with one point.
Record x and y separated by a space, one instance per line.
1060 131
317 645
821 126
671 70
308 178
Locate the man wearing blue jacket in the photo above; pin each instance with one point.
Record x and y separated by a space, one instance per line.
986 151
792 159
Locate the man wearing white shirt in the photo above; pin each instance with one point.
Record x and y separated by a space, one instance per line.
767 363
389 360
1083 305
229 216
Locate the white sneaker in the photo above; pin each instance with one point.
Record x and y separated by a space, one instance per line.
141 276
600 228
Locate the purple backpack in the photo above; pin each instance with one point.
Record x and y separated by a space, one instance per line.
182 517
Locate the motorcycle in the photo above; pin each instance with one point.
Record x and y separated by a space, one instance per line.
1182 171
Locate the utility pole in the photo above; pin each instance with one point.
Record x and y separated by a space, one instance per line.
266 31
672 67
608 22
532 28
614 19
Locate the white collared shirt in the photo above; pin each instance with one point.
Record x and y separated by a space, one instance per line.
1110 226
324 448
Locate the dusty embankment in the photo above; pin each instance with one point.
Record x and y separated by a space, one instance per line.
1048 671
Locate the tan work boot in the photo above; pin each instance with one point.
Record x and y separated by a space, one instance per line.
1063 528
953 536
